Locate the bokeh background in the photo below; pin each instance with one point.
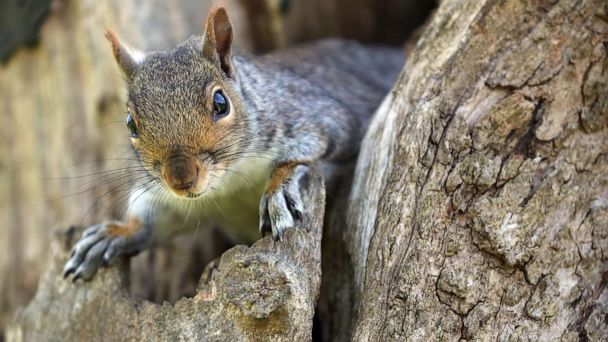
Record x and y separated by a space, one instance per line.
62 115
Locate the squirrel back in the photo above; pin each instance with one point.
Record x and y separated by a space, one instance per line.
322 83
357 75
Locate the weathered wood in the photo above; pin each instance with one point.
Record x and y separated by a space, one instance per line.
264 292
479 208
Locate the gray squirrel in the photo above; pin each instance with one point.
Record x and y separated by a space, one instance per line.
229 136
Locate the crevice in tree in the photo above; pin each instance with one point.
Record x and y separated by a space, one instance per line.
579 325
525 144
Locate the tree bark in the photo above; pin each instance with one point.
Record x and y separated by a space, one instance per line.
264 292
479 204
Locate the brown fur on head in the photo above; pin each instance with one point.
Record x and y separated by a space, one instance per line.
179 139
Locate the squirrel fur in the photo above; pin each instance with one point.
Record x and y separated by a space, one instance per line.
235 158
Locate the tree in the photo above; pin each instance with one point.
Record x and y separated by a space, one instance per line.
487 174
478 208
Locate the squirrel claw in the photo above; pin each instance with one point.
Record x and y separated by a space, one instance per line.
97 248
282 208
265 226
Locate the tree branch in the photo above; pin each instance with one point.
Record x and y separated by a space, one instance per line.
264 292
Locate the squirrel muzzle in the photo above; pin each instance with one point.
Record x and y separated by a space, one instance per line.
185 176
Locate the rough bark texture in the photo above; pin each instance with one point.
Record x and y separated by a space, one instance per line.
479 208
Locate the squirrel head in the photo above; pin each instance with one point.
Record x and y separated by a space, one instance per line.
186 120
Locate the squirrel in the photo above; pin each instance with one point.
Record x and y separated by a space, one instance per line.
231 135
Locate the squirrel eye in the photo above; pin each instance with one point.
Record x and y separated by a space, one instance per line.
132 126
221 106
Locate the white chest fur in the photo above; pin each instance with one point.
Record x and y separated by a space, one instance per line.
234 205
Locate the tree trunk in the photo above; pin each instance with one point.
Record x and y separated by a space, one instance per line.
479 205
478 208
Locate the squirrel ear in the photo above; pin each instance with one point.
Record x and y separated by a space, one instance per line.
217 41
127 59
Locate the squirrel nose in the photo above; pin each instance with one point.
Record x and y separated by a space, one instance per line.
181 172
183 186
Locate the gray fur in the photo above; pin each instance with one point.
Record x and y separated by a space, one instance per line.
320 97
305 105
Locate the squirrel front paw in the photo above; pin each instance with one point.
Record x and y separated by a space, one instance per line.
281 206
101 244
